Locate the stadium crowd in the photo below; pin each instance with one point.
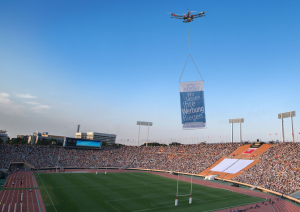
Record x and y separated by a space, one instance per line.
183 158
278 168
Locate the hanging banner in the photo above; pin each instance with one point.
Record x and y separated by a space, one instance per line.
192 105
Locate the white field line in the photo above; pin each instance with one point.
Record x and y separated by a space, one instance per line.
112 206
47 192
154 205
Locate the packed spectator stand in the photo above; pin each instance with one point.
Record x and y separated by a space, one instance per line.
277 170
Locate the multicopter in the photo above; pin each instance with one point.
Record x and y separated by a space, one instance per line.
188 17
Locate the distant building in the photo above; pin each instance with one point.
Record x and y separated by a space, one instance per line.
33 139
108 138
37 133
3 135
81 135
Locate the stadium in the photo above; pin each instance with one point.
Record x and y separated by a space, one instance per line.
155 90
197 177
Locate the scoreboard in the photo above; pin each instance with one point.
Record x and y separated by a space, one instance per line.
81 143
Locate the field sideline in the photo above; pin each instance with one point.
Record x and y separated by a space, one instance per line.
130 191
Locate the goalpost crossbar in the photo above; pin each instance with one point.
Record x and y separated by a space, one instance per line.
183 195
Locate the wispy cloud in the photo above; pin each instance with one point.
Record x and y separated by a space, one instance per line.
32 103
25 96
7 106
37 107
4 98
10 107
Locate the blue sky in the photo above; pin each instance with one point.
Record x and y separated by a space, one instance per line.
107 64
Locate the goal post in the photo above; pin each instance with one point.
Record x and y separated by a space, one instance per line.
182 195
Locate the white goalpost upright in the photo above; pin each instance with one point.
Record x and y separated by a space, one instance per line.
176 200
190 194
190 199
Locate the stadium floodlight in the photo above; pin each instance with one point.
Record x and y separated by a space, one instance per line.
239 120
143 123
287 115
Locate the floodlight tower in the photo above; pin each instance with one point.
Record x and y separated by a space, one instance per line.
143 123
240 120
286 115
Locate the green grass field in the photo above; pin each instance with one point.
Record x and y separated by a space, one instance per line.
130 191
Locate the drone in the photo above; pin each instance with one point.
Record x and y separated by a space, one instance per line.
188 17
